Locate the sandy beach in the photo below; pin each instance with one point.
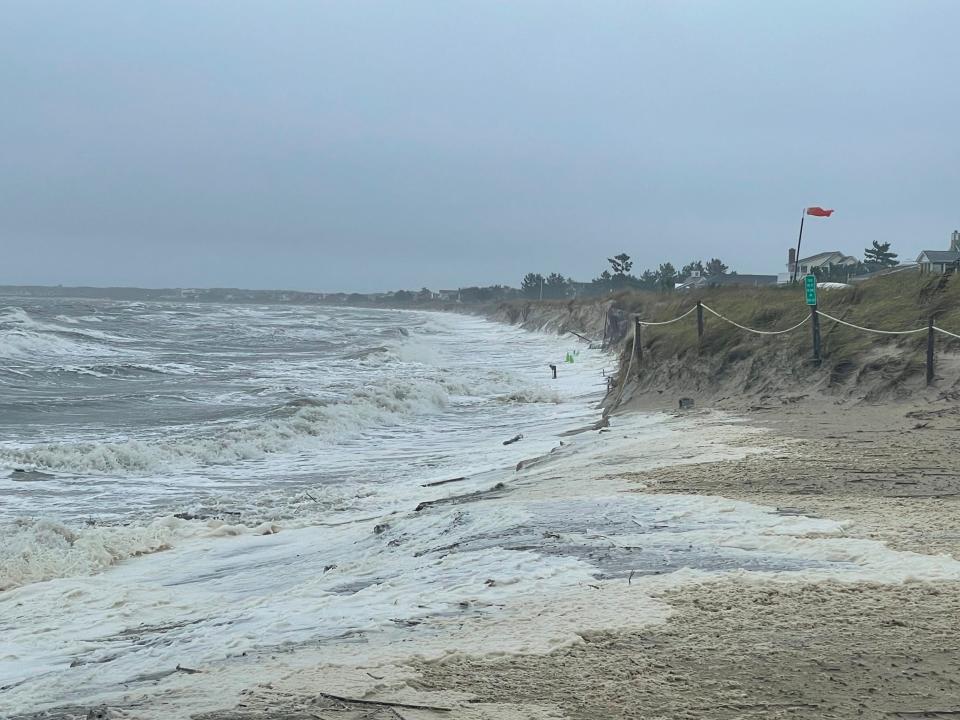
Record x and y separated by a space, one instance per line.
747 648
760 555
747 645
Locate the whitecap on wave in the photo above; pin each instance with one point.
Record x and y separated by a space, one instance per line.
287 426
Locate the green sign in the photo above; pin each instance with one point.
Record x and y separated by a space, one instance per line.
810 285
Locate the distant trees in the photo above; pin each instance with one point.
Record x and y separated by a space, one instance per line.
531 284
556 286
879 256
553 287
690 268
619 277
667 276
715 267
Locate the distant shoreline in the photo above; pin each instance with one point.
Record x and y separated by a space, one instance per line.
239 296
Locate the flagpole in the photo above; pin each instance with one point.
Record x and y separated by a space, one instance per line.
796 262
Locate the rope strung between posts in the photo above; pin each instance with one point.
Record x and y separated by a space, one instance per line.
626 376
667 322
794 327
758 332
946 332
872 330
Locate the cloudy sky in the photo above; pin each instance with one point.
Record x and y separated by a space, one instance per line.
373 145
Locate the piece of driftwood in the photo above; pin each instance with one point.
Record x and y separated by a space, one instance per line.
385 703
515 438
496 491
435 483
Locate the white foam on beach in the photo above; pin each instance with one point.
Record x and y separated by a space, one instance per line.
435 583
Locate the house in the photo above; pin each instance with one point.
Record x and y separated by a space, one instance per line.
941 261
821 263
824 261
697 282
449 295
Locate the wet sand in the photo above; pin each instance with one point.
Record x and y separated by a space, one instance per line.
747 646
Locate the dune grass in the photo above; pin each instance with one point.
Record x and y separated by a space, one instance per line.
901 301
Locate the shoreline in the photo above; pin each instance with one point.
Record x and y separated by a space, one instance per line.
738 645
762 642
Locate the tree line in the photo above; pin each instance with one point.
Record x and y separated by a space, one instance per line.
618 277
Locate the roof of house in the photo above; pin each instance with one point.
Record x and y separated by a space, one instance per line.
731 279
939 256
821 257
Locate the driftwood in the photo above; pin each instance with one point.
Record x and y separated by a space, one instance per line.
582 337
514 439
435 483
161 674
496 491
385 703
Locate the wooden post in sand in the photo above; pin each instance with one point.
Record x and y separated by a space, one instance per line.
930 347
815 318
637 343
699 324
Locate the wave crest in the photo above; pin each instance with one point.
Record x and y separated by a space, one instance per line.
37 550
289 425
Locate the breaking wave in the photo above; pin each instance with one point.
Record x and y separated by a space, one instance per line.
37 550
285 428
24 338
128 369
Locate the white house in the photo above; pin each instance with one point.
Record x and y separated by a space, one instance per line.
824 261
821 262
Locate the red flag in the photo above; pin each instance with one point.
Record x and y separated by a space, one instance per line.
819 212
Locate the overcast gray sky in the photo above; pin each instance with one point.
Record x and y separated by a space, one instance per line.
375 145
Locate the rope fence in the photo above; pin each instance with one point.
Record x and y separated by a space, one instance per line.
754 330
946 332
636 352
872 330
670 322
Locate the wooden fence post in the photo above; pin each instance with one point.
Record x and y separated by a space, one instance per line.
930 347
815 317
637 343
699 324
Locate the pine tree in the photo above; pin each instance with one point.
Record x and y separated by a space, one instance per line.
716 267
555 286
667 276
880 255
531 284
621 264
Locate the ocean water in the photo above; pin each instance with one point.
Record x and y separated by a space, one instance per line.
249 491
